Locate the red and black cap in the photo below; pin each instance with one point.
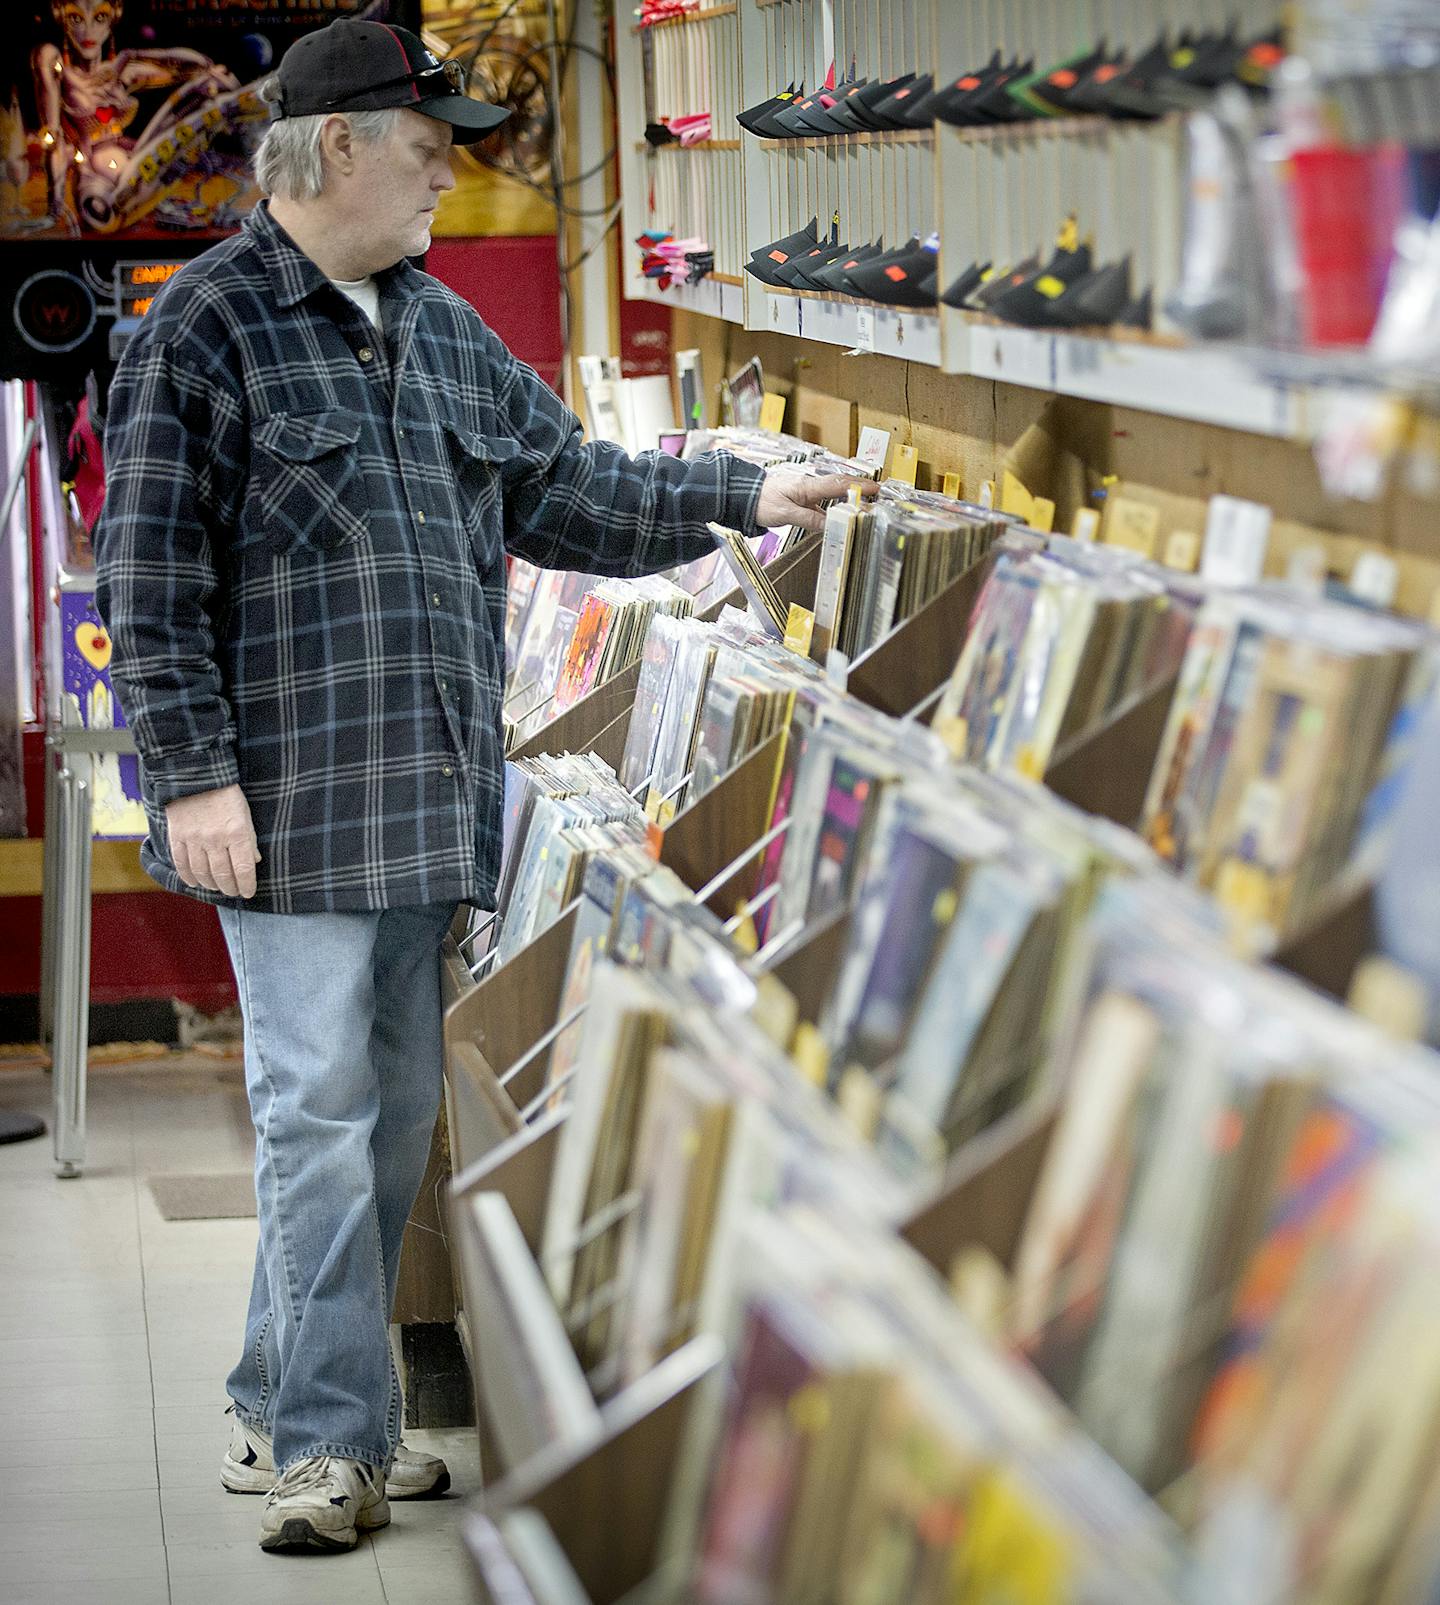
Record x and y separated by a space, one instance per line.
370 66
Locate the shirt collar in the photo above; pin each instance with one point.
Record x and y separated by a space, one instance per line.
292 273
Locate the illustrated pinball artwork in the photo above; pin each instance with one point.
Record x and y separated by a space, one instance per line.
136 119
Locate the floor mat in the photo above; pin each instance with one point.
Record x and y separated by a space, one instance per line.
224 1197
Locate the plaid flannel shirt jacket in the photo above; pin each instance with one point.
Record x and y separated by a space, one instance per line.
301 563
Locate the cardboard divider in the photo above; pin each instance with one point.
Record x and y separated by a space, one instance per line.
808 967
606 1505
918 655
520 1169
455 977
717 828
984 1195
582 722
494 1025
1327 952
1106 770
482 1113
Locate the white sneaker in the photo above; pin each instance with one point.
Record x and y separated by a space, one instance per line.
249 1467
323 1503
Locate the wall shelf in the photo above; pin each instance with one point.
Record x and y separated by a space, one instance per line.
644 148
896 136
690 18
1204 384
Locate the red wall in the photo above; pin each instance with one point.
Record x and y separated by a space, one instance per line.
154 945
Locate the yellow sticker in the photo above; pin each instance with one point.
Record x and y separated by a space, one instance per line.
954 731
858 1099
799 628
1182 550
1014 1551
812 1058
810 1410
904 464
1133 525
1050 287
1014 498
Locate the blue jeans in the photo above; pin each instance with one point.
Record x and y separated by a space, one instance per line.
343 1072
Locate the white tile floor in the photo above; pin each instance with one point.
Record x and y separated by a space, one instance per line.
116 1331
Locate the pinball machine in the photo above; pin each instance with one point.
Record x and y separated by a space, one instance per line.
127 129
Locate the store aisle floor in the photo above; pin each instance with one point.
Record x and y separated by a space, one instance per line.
117 1329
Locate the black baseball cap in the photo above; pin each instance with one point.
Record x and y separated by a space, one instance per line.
370 66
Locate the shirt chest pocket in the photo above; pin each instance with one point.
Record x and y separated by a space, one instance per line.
308 487
476 461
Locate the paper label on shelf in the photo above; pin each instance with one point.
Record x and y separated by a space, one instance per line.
1237 534
865 329
874 444
905 465
1307 569
1086 526
951 486
1375 578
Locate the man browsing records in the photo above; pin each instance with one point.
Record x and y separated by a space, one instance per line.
318 459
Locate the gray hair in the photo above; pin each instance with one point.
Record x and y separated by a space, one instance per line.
288 162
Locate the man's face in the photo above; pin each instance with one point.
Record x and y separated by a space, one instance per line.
399 182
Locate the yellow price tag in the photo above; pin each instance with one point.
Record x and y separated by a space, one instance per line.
1014 498
1133 525
1182 550
772 412
799 628
905 464
812 1058
952 487
1014 1551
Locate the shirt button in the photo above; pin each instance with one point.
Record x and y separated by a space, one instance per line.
435 598
447 771
366 354
419 518
400 433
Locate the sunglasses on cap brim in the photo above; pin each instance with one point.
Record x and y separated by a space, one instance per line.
453 72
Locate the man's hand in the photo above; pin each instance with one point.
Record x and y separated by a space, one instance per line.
791 497
212 841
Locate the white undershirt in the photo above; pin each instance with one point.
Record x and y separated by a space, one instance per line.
366 295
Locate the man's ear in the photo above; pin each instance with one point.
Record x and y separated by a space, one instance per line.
337 143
